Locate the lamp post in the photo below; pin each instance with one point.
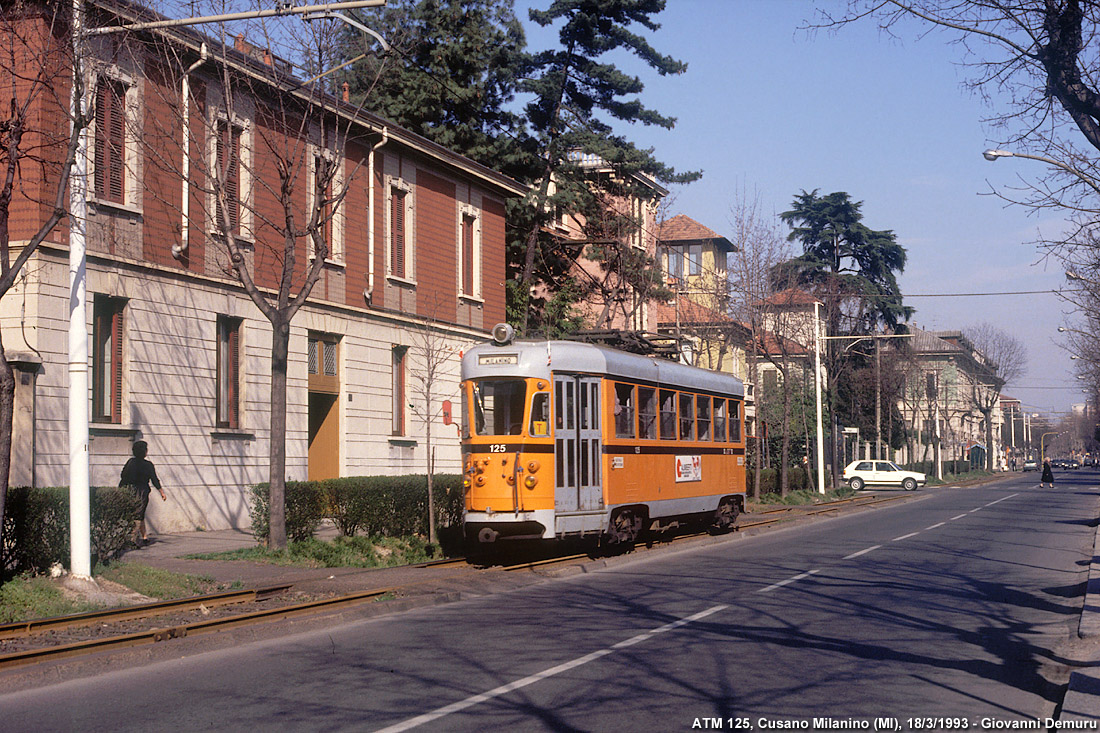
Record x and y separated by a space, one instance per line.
992 155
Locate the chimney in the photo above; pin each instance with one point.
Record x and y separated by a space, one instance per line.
240 43
347 92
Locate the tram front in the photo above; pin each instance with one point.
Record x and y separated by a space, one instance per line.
507 443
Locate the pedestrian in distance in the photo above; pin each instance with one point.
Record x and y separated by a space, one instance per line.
138 473
1048 476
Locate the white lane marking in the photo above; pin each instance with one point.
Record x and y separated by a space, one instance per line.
1001 499
976 509
936 526
539 676
872 548
905 537
782 583
952 519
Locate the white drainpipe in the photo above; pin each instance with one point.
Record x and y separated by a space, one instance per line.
370 214
185 228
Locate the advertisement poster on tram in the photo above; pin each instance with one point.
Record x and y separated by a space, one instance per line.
689 468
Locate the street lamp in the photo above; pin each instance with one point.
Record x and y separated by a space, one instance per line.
992 155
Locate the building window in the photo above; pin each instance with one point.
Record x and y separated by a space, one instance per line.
695 259
327 171
398 232
469 253
675 263
398 389
110 141
229 372
229 172
107 330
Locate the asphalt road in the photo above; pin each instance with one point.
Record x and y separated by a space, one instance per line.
959 605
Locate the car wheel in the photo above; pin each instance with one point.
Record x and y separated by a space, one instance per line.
909 484
856 483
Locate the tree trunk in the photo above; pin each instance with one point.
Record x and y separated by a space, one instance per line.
431 470
280 349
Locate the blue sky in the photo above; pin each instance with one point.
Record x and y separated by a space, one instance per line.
768 108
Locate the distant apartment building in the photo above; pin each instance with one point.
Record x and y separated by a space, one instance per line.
179 354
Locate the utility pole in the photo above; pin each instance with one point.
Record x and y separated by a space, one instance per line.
878 400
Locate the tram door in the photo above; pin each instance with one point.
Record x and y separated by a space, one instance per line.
577 445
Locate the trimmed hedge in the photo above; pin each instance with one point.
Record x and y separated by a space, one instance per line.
769 479
36 527
388 506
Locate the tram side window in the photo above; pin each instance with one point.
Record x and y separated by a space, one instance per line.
703 418
540 415
687 416
720 420
668 414
498 407
735 421
624 411
647 413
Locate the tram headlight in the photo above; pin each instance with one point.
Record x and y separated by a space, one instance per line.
530 482
480 481
532 466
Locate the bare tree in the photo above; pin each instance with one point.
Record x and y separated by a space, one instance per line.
267 163
1034 62
434 371
39 138
760 247
1001 359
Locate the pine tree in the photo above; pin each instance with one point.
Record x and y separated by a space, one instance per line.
570 84
450 76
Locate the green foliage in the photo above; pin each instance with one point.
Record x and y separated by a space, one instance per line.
305 508
158 583
451 75
341 552
388 506
805 496
113 510
36 530
841 255
36 527
26 598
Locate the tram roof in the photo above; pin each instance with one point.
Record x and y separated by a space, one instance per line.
534 358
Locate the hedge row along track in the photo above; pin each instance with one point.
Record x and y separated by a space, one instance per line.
150 636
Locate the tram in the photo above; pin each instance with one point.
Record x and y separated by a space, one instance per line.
563 438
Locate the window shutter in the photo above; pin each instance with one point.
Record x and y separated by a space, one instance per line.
117 144
234 375
468 255
397 238
102 114
229 143
116 366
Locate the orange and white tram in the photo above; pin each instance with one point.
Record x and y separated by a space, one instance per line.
564 438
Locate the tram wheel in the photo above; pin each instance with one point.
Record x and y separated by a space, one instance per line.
725 516
625 528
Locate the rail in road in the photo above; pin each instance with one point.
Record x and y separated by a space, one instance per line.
150 610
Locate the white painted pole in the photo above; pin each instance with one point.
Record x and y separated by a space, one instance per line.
817 394
79 491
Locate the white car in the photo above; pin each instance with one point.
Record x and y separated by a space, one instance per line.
881 473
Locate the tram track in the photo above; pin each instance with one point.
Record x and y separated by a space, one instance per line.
34 633
164 633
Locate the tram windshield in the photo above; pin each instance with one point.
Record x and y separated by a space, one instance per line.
498 406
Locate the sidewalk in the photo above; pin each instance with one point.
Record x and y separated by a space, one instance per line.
1082 701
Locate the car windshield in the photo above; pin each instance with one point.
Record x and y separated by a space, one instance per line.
498 406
